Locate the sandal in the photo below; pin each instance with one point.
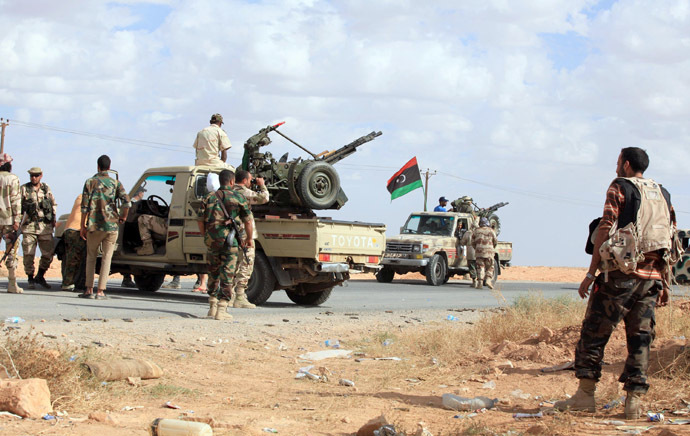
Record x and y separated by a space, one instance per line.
201 290
101 297
85 295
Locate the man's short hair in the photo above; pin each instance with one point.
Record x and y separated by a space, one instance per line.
104 162
7 166
225 177
637 157
241 176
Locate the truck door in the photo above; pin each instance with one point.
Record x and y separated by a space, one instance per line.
192 239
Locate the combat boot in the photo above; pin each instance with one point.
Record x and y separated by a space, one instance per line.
489 285
127 282
221 312
632 405
40 280
479 284
30 279
583 400
212 307
175 283
12 286
474 283
241 302
146 249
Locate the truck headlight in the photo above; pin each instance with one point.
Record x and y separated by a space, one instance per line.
416 248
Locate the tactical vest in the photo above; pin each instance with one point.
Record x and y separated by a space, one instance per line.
644 225
31 207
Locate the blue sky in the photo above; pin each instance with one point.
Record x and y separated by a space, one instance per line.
526 102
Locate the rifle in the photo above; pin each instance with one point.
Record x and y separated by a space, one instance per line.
230 221
10 249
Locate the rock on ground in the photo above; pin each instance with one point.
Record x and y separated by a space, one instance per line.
28 398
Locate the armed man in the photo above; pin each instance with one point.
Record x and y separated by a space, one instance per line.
243 183
217 222
466 205
41 210
466 241
10 219
629 287
484 242
211 141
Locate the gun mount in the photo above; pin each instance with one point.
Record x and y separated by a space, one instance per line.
299 185
466 205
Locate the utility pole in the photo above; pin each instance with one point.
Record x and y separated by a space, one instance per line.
427 175
4 123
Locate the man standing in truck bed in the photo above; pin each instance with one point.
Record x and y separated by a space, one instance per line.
210 141
215 214
245 265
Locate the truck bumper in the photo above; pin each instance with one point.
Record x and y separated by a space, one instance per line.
404 262
333 267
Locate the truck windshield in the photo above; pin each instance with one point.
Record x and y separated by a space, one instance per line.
429 225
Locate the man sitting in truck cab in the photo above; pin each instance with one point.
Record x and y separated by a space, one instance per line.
150 215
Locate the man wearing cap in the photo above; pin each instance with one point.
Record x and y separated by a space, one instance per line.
41 210
127 281
211 141
441 205
10 218
484 242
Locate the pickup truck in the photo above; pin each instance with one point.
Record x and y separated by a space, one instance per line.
429 244
681 270
300 253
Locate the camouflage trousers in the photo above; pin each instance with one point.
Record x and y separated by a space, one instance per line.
472 268
485 268
150 223
221 272
7 233
75 257
245 266
29 243
623 297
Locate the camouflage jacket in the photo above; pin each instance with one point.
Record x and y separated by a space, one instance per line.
484 240
99 201
467 242
40 207
253 198
213 217
10 199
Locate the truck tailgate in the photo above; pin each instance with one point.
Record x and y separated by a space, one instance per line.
351 238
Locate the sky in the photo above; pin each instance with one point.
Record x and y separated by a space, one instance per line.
525 102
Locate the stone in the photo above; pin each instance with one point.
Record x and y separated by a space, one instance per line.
29 398
667 432
134 381
537 429
545 334
372 425
103 417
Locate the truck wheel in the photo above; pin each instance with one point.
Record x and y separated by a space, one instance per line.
318 185
311 299
436 270
149 282
385 275
262 281
496 270
495 223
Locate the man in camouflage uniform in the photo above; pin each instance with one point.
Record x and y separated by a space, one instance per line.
211 141
41 210
619 296
243 183
222 254
100 223
10 218
75 250
466 241
466 205
484 242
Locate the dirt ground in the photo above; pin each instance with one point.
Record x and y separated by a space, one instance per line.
240 376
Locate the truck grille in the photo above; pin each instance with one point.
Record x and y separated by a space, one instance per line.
398 247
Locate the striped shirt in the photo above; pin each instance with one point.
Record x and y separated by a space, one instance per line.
652 267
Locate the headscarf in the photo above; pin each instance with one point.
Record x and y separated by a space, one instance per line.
5 158
484 222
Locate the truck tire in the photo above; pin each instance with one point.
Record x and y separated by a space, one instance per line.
262 281
311 299
318 185
149 282
496 270
495 223
436 270
386 275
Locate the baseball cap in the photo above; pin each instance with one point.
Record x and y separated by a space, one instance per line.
216 118
5 158
443 199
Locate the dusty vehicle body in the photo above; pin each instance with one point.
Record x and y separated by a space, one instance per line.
429 244
681 270
302 254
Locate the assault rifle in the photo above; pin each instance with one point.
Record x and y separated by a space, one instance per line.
236 230
10 249
230 221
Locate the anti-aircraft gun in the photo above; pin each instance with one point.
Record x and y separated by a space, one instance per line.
298 185
465 204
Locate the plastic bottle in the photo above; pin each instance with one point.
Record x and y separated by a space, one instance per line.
175 427
13 320
455 402
332 343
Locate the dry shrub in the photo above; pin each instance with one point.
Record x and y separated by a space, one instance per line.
26 356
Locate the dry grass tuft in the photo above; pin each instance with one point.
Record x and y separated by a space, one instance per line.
26 356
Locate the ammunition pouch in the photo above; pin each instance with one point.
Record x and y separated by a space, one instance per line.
620 251
47 208
230 239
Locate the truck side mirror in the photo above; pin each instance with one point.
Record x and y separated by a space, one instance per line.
402 228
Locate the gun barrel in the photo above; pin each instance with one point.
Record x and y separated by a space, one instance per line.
350 148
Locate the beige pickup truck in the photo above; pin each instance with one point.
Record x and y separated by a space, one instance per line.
302 254
429 243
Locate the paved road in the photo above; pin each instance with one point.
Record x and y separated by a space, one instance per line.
357 296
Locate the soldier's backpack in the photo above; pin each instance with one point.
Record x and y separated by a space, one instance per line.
643 226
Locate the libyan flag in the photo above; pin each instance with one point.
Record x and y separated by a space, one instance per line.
405 180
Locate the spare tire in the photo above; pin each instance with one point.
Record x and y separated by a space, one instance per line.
318 185
495 223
